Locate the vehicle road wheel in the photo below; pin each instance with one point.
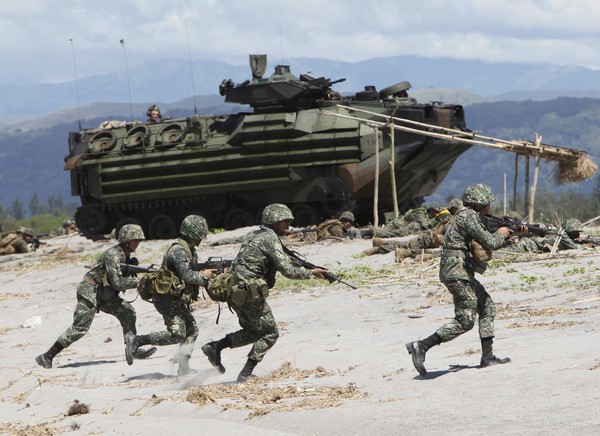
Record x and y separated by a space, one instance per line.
162 227
304 215
237 218
91 222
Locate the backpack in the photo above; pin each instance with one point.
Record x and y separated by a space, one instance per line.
220 288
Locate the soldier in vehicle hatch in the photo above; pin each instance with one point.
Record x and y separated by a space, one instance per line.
154 115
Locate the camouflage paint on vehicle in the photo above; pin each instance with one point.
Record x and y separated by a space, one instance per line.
227 168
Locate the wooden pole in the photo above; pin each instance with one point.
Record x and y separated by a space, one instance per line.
526 199
538 140
376 180
393 167
504 196
514 202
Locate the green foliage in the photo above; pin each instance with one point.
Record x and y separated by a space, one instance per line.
43 224
574 271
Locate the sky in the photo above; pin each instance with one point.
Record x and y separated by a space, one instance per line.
53 41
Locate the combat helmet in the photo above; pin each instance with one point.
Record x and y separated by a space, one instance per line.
435 206
347 216
274 213
194 227
21 229
154 107
478 195
573 225
130 232
455 202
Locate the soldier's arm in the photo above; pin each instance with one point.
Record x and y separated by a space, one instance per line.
284 264
487 239
183 268
114 275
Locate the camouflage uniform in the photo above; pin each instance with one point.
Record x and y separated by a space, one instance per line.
90 299
174 306
457 274
181 325
331 228
413 221
426 239
12 243
260 257
544 244
99 291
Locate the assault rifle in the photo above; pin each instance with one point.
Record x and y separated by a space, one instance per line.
493 223
302 231
130 269
213 262
594 242
35 241
299 260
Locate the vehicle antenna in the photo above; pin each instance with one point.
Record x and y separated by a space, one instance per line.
76 82
281 40
187 35
128 83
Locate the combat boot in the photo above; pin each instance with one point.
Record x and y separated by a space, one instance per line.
213 352
140 353
417 350
130 347
371 251
401 254
45 359
246 372
487 355
378 242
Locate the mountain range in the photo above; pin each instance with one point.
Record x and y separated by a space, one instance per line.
167 81
37 119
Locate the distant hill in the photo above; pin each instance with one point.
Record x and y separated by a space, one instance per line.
169 80
31 160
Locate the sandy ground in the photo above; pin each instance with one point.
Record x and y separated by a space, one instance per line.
340 365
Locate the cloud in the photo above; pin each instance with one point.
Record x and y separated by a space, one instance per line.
34 35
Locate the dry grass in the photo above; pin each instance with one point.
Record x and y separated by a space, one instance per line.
285 389
576 170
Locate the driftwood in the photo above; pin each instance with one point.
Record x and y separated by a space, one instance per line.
573 165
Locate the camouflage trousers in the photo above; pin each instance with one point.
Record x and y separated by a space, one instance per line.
181 324
86 310
258 327
470 299
391 231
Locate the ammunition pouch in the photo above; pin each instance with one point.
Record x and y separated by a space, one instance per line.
480 254
167 282
221 287
105 293
146 287
255 290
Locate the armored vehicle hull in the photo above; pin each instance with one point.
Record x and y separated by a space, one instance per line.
227 168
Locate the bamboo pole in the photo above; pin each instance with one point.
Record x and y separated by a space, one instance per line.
376 181
538 140
517 146
514 202
526 197
504 196
393 168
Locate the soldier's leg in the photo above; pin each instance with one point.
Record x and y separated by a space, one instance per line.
487 312
465 308
125 313
121 310
83 316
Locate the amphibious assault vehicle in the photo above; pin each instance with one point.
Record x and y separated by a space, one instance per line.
286 150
